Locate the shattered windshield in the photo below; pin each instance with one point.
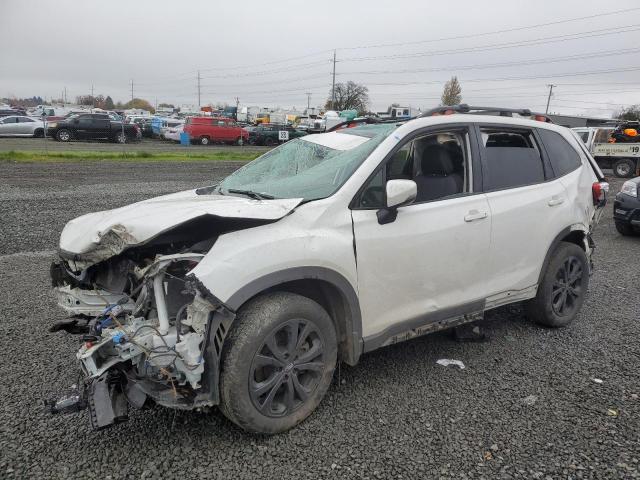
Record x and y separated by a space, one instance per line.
310 167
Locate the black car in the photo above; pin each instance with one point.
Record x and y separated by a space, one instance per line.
92 126
626 207
269 134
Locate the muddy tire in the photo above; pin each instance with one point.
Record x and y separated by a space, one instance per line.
624 168
277 363
563 288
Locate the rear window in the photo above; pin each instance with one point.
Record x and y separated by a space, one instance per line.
562 155
512 159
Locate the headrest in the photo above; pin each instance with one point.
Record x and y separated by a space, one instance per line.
437 160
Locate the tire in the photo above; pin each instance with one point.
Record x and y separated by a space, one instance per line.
38 133
624 228
204 141
264 390
624 168
556 304
63 135
120 137
269 142
240 141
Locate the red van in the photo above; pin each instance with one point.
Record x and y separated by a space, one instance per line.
206 130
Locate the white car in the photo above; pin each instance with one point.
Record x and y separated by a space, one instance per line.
246 294
21 126
173 133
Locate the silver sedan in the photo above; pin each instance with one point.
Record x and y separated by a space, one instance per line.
20 126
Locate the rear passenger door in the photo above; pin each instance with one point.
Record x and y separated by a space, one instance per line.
527 206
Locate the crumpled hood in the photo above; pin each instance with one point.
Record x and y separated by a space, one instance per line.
112 231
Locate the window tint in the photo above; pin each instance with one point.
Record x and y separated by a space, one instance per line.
512 159
563 157
584 136
26 120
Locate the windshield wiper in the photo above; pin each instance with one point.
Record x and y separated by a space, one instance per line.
252 194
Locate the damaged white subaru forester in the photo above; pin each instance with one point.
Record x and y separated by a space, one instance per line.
246 294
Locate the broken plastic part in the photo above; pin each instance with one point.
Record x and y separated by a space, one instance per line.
445 362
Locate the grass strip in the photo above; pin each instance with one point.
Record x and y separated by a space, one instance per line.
135 156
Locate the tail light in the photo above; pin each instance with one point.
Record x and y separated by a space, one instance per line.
599 191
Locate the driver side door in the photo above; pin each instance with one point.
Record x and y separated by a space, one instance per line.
430 263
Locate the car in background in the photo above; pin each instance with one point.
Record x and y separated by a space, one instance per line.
626 207
93 126
6 112
145 125
175 124
269 134
173 133
21 126
206 130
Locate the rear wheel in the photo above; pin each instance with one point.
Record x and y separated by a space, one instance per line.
278 362
624 228
624 168
63 135
269 142
38 133
205 141
563 288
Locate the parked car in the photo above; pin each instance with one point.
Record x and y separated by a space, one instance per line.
206 130
145 126
93 126
170 125
20 126
7 112
173 133
269 134
246 294
626 208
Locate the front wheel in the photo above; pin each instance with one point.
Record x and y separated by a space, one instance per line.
563 288
120 137
204 141
624 168
269 142
63 135
624 228
277 363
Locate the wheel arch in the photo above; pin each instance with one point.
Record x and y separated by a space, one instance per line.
328 288
577 236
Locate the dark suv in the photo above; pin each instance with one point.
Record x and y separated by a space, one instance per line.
269 134
93 126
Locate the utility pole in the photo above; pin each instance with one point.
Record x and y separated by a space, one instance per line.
308 102
132 90
333 83
65 96
93 103
199 104
549 98
237 106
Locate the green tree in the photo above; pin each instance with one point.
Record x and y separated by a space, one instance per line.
452 94
349 96
108 103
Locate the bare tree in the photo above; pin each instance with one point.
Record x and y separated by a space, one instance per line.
349 96
629 113
452 94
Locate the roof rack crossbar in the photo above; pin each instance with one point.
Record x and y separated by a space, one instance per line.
464 108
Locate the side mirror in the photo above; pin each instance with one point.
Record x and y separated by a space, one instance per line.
399 193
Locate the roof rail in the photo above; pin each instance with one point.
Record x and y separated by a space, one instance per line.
503 112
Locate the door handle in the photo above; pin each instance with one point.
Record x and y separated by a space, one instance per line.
473 215
555 200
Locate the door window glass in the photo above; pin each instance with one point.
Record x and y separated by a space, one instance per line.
563 157
512 159
26 120
438 163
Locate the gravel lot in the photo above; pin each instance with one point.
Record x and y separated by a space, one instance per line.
525 406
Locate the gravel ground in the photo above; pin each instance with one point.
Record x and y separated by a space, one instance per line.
525 406
145 145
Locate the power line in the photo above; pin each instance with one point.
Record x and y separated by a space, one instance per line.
495 32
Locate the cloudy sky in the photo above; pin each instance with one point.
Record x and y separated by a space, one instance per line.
271 53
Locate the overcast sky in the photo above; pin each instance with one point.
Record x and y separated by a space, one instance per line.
271 52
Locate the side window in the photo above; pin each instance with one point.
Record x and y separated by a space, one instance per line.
25 120
512 159
562 155
438 163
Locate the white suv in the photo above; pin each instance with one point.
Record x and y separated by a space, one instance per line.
246 294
